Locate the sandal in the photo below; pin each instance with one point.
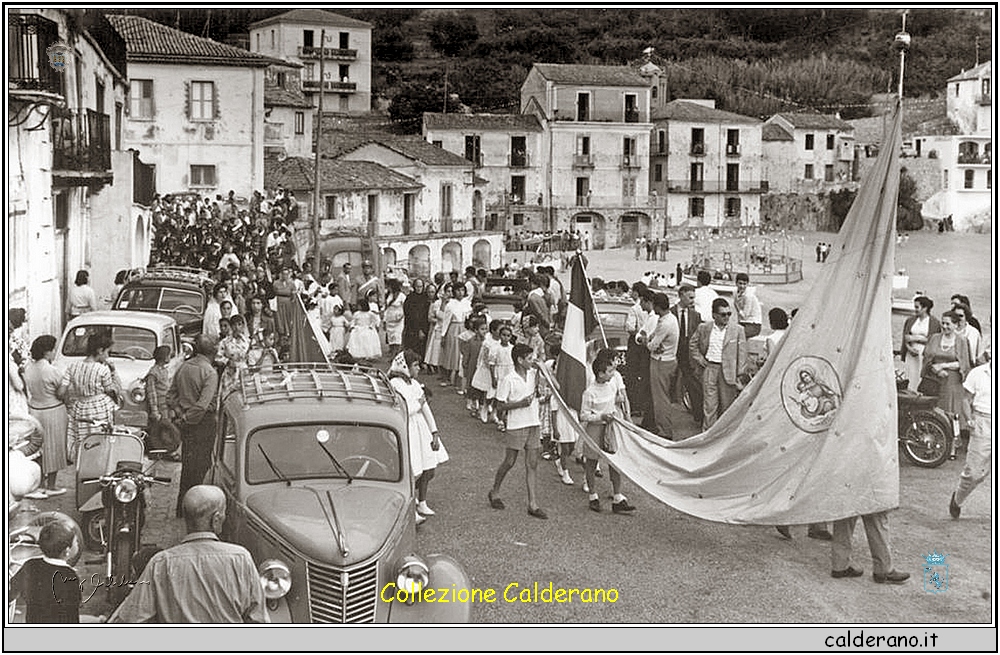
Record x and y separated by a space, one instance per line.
495 502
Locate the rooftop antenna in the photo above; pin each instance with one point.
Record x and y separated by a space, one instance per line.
902 43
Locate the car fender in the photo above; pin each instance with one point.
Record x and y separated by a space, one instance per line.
93 503
445 573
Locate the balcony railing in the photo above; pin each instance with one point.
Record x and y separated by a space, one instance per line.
28 62
631 161
583 161
314 85
603 202
716 186
518 160
314 52
733 149
973 158
632 116
81 142
697 148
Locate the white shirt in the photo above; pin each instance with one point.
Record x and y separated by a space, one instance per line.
974 339
978 382
513 388
715 342
703 298
748 308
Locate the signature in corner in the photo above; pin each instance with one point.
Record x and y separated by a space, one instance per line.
96 580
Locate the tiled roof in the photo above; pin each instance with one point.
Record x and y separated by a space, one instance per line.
982 70
497 122
149 41
337 144
311 17
805 121
591 75
680 110
296 173
279 96
773 132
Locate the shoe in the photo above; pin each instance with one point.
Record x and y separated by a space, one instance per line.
598 472
495 502
58 491
37 494
566 479
538 513
420 519
595 506
586 489
822 535
622 507
424 510
783 531
954 508
849 572
460 392
892 577
443 384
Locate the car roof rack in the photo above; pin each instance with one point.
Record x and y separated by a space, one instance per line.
197 275
289 381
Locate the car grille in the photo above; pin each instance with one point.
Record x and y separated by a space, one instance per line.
342 595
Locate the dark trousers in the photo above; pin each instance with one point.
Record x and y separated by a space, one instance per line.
689 379
163 435
637 376
196 455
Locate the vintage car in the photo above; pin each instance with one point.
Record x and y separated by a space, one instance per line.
180 293
500 293
134 336
314 462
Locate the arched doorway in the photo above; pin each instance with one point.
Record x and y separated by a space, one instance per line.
388 257
482 253
634 225
451 257
419 262
592 224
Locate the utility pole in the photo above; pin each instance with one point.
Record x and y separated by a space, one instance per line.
317 175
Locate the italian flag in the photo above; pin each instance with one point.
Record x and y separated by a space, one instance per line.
571 370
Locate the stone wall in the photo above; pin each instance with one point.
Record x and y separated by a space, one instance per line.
925 171
797 211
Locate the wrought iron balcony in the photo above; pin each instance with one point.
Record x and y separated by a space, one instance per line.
583 161
81 143
631 161
29 35
716 186
973 158
697 148
314 52
518 160
314 85
733 149
632 116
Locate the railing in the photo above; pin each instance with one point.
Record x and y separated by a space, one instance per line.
594 201
81 142
310 52
973 158
717 186
314 85
28 62
733 149
632 116
583 161
631 161
697 148
518 160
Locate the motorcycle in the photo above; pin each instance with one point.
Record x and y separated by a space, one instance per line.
926 432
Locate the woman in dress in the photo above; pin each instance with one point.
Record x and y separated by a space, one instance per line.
453 320
284 288
338 329
233 351
91 389
43 381
363 342
426 449
435 313
946 362
916 330
259 323
415 319
81 298
394 299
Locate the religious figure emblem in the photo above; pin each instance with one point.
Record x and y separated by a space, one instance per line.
811 393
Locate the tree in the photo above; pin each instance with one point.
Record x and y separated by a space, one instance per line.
417 97
452 34
908 215
391 44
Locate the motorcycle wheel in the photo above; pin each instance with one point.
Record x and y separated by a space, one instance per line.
926 439
94 530
121 564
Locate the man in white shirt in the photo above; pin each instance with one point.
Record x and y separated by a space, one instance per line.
704 296
748 312
662 347
979 386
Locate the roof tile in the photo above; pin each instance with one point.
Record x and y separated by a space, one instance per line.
497 122
311 16
149 41
592 75
296 173
682 110
808 121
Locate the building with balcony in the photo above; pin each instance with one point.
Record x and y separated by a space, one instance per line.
288 122
819 156
312 37
596 124
707 164
970 99
506 150
196 109
69 181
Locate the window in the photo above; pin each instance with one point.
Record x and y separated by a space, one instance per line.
697 176
732 177
733 207
583 145
829 141
300 122
986 86
258 41
517 189
809 172
828 173
518 219
202 105
810 138
372 214
518 151
472 149
331 208
344 40
697 141
654 93
344 72
631 108
956 89
438 143
629 151
409 211
583 106
661 142
140 98
61 209
582 191
944 179
119 112
989 179
344 103
307 38
696 207
628 187
281 78
98 95
446 198
732 142
970 176
202 175
272 39
658 173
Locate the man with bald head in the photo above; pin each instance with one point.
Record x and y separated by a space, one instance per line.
201 579
192 402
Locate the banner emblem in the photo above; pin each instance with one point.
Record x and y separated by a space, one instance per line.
811 393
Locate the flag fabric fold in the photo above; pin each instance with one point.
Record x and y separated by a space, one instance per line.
571 369
813 436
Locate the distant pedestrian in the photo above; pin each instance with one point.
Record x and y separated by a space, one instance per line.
819 251
81 298
978 385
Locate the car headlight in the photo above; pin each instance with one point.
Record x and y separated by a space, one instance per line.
276 578
413 577
126 490
138 394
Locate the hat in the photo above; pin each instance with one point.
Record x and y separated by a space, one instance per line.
398 365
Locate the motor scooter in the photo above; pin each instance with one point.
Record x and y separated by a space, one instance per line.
926 432
98 455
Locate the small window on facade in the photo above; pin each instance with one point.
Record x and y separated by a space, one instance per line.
140 98
518 219
828 173
944 179
437 143
202 105
272 39
829 141
733 207
809 172
344 72
345 38
956 89
696 207
203 176
697 141
809 141
970 176
517 189
658 173
583 106
300 122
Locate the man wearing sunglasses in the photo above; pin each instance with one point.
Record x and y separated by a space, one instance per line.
719 349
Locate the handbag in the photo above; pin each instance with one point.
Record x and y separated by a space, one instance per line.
929 387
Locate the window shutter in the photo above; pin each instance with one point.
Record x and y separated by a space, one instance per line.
215 101
187 100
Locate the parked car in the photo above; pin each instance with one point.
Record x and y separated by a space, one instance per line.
500 294
314 462
134 336
181 293
612 314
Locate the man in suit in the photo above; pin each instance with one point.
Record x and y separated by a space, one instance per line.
536 304
345 286
719 348
688 374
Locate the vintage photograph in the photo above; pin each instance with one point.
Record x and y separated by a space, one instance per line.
536 316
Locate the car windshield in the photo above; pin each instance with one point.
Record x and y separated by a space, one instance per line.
126 341
613 320
162 299
182 301
367 452
140 299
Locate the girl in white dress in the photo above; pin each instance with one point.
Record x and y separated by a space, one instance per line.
364 342
436 313
338 329
426 449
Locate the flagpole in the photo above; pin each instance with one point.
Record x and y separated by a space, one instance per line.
902 43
